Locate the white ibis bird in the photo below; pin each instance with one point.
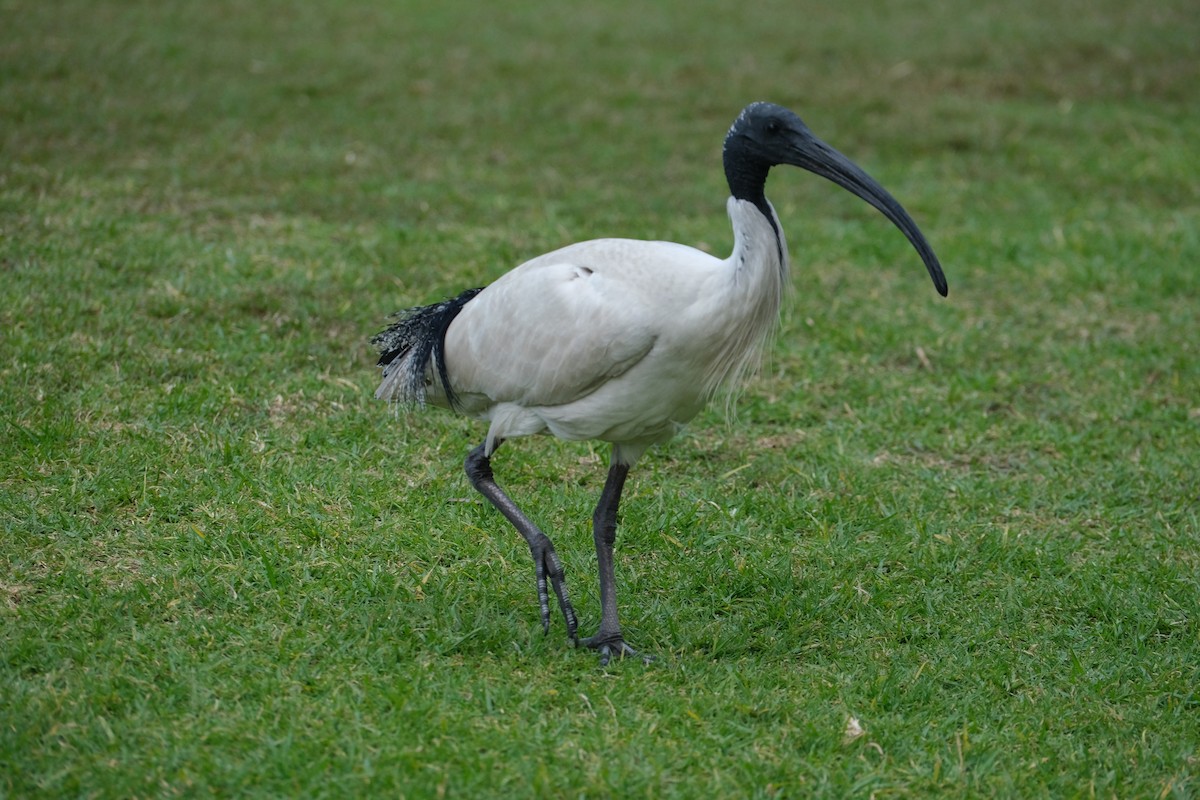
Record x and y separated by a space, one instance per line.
618 340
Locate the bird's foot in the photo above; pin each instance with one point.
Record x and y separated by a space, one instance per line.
613 646
547 566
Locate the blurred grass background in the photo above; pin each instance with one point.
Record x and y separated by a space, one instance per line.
971 524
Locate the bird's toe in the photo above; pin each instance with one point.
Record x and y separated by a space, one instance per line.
551 575
610 647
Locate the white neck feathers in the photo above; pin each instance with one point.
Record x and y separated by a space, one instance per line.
755 280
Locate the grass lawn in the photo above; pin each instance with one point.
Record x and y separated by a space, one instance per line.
970 525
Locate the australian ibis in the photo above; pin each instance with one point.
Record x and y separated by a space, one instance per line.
618 340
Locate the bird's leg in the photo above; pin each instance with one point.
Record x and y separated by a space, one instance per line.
545 560
608 640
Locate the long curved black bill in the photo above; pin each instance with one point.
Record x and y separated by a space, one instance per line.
821 159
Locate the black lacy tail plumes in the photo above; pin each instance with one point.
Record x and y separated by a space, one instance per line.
406 347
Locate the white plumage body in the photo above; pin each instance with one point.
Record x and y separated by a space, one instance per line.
618 340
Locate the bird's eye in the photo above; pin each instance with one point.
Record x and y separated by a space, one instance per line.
772 126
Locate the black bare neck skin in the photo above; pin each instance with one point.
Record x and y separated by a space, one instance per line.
747 177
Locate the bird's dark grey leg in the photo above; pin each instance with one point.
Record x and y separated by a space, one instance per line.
545 560
608 640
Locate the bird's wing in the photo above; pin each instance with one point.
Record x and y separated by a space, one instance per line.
558 327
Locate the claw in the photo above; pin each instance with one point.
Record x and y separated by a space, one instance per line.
609 647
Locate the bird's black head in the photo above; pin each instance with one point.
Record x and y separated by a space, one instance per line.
762 133
765 135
